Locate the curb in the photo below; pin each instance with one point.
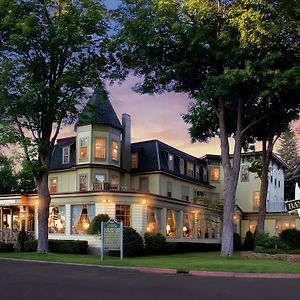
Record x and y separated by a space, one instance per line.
166 271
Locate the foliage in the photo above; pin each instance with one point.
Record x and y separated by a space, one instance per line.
95 225
49 51
155 243
289 152
249 241
25 180
59 246
8 183
6 247
239 60
22 237
237 243
291 237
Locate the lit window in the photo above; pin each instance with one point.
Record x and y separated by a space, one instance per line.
115 150
153 219
57 219
53 185
134 160
66 155
215 173
244 173
99 148
83 151
81 217
190 169
123 214
82 182
188 225
172 223
256 199
171 162
181 162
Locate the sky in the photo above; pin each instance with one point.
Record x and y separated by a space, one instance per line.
155 117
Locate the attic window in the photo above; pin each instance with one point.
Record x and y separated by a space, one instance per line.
100 148
66 155
171 162
115 150
134 160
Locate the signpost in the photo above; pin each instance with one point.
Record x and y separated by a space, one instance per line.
111 237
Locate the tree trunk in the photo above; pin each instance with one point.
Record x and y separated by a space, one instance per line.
267 149
231 174
43 211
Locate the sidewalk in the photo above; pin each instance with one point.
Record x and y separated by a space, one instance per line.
175 271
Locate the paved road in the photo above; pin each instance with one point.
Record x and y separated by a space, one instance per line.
39 281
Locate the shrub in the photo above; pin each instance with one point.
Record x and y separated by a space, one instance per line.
237 244
262 240
291 237
155 243
260 249
6 247
133 244
22 237
59 246
249 241
95 225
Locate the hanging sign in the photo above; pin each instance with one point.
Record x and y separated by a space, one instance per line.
292 205
111 237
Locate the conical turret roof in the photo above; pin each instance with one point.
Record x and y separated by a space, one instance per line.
99 110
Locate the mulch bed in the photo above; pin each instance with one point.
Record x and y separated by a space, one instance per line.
288 257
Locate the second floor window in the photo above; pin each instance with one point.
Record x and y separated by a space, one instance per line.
66 155
53 185
197 172
144 184
244 173
83 151
256 199
82 182
99 148
215 174
115 150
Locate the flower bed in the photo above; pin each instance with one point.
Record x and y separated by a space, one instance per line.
281 256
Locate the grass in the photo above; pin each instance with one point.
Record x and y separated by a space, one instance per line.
210 261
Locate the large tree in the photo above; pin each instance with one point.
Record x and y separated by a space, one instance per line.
289 152
49 50
236 58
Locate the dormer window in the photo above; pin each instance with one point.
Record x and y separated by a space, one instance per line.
66 155
181 163
100 148
115 150
190 169
83 151
171 162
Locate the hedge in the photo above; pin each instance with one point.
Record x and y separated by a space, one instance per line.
59 246
6 247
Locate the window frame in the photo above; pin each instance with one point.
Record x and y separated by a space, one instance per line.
84 147
136 165
103 147
52 179
86 182
67 161
125 217
114 157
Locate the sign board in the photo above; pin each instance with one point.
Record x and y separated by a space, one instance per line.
297 195
111 237
292 205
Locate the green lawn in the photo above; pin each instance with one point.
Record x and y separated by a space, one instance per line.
190 261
